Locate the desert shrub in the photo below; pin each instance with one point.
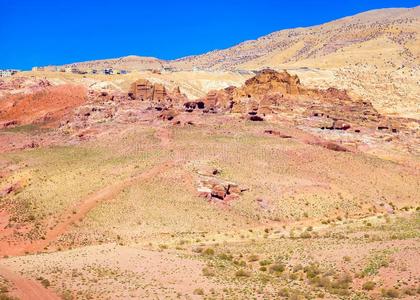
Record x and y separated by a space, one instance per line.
410 291
340 292
208 251
297 268
305 235
284 292
6 297
197 249
242 273
45 282
278 268
368 285
312 270
225 256
240 263
342 282
253 258
296 296
263 269
208 272
376 262
198 291
67 295
320 281
163 246
265 262
390 293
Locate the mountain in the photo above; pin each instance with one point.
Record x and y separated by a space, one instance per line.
171 182
385 37
374 55
131 63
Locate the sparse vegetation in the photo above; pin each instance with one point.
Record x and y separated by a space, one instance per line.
368 285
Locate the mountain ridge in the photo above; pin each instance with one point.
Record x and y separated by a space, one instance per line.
193 61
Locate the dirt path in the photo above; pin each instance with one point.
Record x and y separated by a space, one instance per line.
79 211
26 289
164 135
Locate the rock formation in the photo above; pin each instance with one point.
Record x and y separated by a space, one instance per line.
279 93
155 93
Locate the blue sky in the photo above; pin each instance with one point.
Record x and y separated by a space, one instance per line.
45 32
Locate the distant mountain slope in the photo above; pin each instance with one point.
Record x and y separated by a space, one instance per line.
375 55
383 37
131 63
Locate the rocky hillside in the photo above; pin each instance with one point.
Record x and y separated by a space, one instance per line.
386 38
374 55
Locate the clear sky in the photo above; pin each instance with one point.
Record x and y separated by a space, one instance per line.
42 32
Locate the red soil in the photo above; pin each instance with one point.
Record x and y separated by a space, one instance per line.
25 289
164 135
48 106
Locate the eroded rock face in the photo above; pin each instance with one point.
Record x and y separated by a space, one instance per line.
22 85
255 93
144 90
46 107
269 81
279 93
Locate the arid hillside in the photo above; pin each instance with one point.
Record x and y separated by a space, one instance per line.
129 63
267 190
385 38
216 177
374 55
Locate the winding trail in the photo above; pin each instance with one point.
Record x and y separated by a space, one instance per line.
80 210
26 289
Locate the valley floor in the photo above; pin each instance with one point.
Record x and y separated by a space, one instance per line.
121 216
